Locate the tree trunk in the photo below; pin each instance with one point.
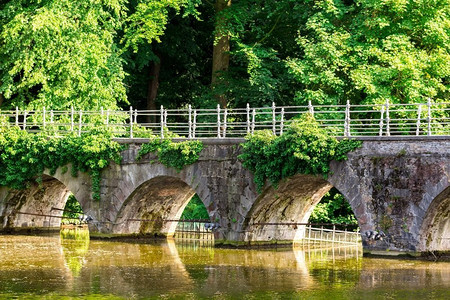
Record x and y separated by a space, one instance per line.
221 56
153 85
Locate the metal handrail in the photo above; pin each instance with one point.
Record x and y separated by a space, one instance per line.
385 119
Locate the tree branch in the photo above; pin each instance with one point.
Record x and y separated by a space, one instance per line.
270 31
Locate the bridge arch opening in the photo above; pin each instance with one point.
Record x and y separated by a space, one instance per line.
435 230
278 214
155 207
40 206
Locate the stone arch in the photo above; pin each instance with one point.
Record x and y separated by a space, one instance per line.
291 202
39 206
80 186
153 205
435 230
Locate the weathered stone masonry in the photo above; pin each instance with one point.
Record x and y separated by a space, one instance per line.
398 186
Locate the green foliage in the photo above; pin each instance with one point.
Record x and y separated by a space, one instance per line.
172 154
333 208
72 209
304 149
195 210
25 156
367 51
184 56
148 20
61 53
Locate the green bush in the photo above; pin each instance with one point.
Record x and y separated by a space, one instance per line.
172 154
304 149
25 156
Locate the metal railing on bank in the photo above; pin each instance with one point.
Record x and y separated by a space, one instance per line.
343 120
195 230
323 235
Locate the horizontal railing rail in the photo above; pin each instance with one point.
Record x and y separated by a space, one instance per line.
387 119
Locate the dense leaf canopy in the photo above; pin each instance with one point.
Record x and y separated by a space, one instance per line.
88 54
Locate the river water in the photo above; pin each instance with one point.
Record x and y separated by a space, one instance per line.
70 266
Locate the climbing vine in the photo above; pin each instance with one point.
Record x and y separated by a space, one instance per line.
172 154
304 149
24 156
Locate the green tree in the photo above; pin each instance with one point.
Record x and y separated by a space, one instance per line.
367 51
61 53
195 210
72 209
333 208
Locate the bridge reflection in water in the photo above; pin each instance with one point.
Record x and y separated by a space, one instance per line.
72 265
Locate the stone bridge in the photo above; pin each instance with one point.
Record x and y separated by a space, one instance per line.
400 186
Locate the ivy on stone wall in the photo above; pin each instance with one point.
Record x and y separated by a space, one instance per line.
172 154
24 156
304 149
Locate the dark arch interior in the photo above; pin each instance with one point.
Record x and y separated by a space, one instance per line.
293 201
435 232
41 205
154 207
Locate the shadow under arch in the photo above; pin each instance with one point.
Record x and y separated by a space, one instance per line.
435 229
291 202
154 206
39 206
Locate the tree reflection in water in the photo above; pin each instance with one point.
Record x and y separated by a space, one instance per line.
75 246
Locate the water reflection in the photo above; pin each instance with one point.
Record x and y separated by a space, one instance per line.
71 265
75 246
